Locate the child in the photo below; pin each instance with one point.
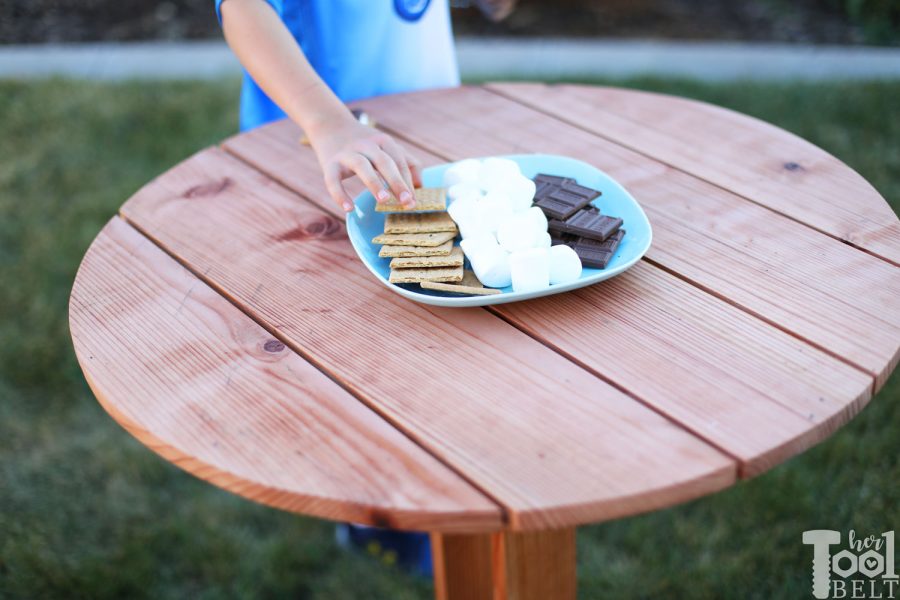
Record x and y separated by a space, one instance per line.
303 58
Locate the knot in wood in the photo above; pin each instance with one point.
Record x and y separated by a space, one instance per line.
210 188
320 227
273 346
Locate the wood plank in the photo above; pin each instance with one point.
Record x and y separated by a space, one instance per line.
463 566
754 391
832 295
752 158
550 442
531 565
535 565
200 383
750 389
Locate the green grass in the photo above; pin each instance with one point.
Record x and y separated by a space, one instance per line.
87 512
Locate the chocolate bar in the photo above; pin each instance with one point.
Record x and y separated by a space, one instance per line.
560 203
580 190
560 197
566 239
594 253
544 184
551 179
542 188
588 223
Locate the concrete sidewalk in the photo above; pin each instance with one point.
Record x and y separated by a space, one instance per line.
485 58
710 61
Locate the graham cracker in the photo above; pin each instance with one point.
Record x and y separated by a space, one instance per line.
470 285
431 222
427 199
405 251
454 259
420 275
414 239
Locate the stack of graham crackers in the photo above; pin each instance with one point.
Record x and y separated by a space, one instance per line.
420 241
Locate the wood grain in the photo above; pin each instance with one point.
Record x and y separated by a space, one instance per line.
463 566
752 390
749 157
550 442
535 565
204 386
532 565
821 290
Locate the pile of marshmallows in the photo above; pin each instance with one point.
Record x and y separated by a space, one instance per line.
505 238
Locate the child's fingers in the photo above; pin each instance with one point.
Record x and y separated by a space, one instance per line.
391 174
335 187
415 169
399 157
360 165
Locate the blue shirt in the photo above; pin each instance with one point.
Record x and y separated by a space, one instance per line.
363 48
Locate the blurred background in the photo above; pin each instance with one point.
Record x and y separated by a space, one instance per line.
796 21
87 512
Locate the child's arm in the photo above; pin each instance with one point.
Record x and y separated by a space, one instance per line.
343 146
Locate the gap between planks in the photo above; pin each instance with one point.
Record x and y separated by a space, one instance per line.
702 288
504 510
741 467
489 88
765 320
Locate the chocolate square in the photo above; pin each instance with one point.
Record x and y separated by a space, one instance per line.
560 203
587 223
597 254
555 180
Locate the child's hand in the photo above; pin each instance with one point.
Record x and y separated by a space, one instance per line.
351 148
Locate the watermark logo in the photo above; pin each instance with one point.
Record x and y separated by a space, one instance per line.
864 569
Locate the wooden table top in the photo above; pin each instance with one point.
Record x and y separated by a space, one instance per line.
224 320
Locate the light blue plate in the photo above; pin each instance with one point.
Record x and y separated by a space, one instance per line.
364 224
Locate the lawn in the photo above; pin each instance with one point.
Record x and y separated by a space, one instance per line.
87 512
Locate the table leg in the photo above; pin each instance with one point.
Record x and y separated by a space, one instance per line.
505 566
462 566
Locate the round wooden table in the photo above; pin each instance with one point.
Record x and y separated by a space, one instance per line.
223 319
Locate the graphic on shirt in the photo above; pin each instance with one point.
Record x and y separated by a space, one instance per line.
411 10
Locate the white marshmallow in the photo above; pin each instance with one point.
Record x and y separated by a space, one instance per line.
496 172
517 233
472 227
529 269
472 244
489 261
520 190
493 209
544 240
465 213
537 217
462 208
494 274
491 183
464 189
462 171
504 166
565 265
